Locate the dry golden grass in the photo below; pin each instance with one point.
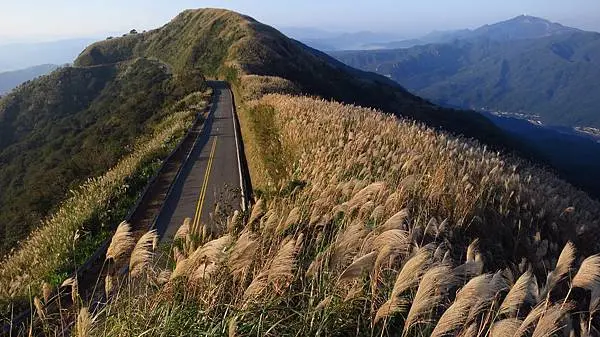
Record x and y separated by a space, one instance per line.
84 323
382 226
476 295
563 267
551 321
360 265
524 291
122 241
588 275
433 288
142 253
504 328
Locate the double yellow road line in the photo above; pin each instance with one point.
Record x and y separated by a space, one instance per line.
204 185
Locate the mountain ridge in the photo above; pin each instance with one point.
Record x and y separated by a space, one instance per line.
549 76
97 94
521 27
245 46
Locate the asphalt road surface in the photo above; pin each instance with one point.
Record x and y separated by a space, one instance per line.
211 174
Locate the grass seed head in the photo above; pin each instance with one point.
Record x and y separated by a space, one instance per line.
142 254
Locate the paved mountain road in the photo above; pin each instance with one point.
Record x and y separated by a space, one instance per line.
211 175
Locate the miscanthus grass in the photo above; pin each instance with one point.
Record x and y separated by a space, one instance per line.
256 86
376 227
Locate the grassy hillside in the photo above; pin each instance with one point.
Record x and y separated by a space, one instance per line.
219 42
59 130
365 224
91 211
551 77
374 226
229 45
11 79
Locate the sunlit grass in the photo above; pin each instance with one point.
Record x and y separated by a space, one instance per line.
382 227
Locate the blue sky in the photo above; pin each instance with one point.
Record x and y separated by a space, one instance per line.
43 19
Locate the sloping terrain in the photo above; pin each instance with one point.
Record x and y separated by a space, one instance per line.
226 43
59 130
374 226
11 79
551 77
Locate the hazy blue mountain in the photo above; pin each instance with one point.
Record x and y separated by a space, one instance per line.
437 36
11 79
518 28
553 76
16 56
396 44
329 41
305 33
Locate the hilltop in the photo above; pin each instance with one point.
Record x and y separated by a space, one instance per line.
522 27
220 42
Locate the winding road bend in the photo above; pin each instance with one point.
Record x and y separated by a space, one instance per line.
211 174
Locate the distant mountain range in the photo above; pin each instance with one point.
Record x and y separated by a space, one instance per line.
525 66
331 41
11 79
60 129
519 28
17 56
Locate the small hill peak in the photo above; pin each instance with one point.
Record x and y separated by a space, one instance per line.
522 27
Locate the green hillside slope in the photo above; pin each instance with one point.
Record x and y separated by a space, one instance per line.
553 77
76 123
371 225
230 44
378 227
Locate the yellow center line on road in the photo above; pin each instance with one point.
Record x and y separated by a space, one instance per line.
204 186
